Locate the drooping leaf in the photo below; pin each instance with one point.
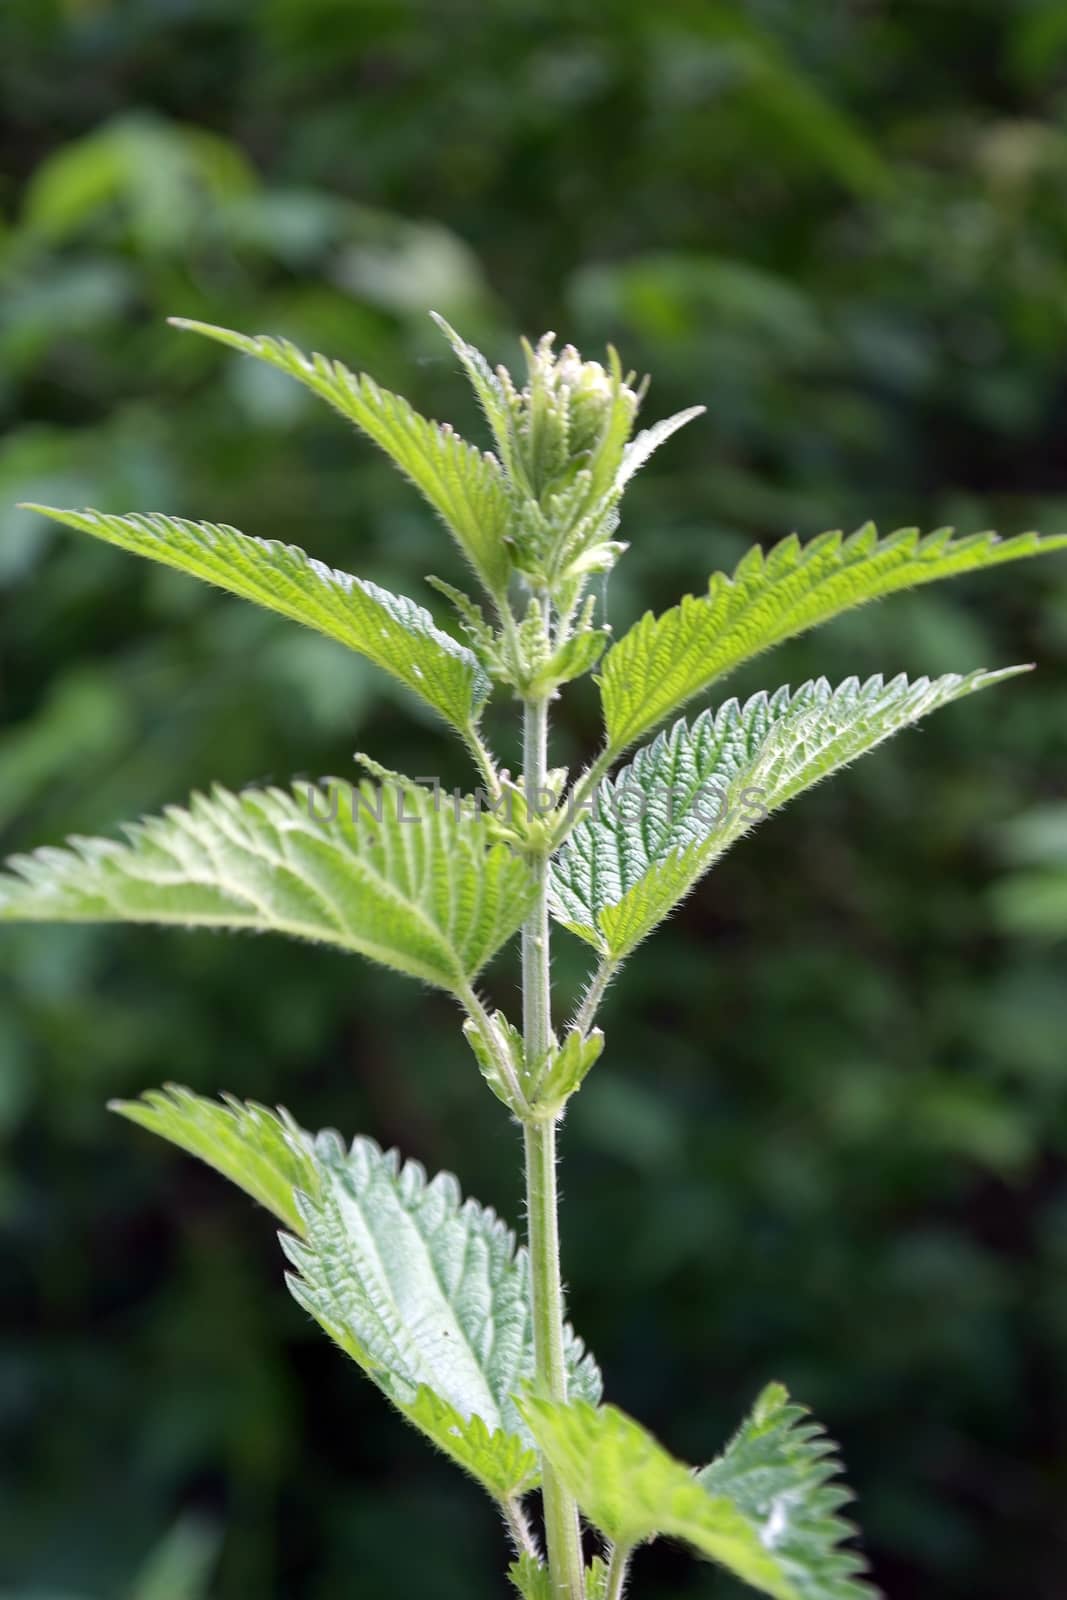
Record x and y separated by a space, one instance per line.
783 1474
688 796
429 1294
263 1152
390 875
663 661
465 486
631 1489
388 629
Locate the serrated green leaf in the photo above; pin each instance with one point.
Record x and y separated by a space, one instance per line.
663 661
497 1046
780 1470
489 390
264 1153
573 659
427 1292
631 1489
388 874
565 1070
504 1463
596 1579
687 797
390 630
465 486
534 1581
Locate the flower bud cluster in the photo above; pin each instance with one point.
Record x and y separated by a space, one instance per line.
570 425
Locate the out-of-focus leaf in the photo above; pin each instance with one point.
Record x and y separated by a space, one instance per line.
782 1472
181 1568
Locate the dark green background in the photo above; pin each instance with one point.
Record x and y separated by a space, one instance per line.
827 1140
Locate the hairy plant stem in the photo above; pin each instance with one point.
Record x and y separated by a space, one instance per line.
562 1535
586 1014
616 1579
519 1528
483 760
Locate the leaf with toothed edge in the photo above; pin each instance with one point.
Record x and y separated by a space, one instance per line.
632 1489
263 1152
691 794
430 1295
664 661
464 485
386 874
532 1579
427 1292
783 1473
488 389
389 629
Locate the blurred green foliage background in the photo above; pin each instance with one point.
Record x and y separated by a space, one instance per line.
831 1127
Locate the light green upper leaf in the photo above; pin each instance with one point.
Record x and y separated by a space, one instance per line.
663 661
687 797
464 485
264 1153
779 1470
388 629
645 444
431 1296
386 873
491 394
631 1489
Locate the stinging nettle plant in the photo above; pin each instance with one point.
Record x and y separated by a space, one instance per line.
461 1329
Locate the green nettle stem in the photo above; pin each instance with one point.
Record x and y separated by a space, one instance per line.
562 1532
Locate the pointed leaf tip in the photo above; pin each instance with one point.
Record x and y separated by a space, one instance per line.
782 1472
464 486
692 793
390 630
772 596
435 900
